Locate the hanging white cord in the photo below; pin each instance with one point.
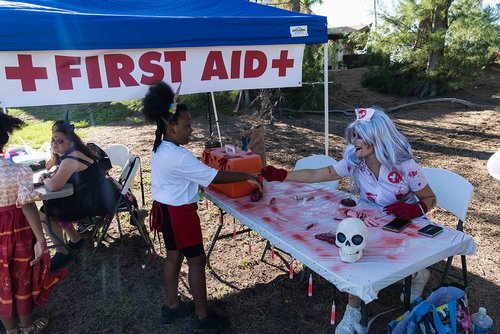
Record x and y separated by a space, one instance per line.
216 118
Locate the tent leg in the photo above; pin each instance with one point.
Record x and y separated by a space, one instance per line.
325 86
209 116
216 117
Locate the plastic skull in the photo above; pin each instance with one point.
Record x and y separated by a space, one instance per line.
351 237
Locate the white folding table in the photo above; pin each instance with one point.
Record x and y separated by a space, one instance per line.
389 257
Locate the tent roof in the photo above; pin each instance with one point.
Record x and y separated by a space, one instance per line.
137 24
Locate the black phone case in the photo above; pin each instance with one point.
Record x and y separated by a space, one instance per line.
397 225
425 230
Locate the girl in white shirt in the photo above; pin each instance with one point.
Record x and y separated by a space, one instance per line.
175 179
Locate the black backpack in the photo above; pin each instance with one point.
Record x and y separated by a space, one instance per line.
102 158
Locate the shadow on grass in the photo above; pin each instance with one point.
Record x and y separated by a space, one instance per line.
88 114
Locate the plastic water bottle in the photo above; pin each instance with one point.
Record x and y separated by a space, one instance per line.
481 322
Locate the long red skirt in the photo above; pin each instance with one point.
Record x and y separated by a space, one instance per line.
22 286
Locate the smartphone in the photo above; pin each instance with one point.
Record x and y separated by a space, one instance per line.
397 225
430 230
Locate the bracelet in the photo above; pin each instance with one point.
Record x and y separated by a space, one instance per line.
421 208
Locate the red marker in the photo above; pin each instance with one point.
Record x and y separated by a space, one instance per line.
272 252
249 246
220 219
310 289
332 317
291 269
206 203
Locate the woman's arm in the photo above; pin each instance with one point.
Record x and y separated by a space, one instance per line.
32 216
64 172
427 196
427 200
313 175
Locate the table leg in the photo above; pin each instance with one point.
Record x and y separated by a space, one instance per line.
364 318
407 292
268 244
216 236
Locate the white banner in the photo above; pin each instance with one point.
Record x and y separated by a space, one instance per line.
34 78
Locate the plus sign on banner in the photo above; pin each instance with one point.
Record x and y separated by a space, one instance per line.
63 77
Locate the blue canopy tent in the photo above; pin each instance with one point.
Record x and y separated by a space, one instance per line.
73 51
125 24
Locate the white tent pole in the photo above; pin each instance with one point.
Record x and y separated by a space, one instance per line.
216 117
325 85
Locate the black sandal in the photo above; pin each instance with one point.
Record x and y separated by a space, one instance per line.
76 245
60 260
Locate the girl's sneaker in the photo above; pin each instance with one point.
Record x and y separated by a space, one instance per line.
352 316
170 315
213 323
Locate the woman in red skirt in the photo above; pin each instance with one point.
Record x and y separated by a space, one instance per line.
25 278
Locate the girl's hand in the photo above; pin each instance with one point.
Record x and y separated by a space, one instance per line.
255 181
44 176
38 249
407 211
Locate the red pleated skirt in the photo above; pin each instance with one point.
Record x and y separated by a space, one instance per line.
22 286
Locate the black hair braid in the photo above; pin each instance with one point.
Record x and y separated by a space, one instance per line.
160 127
7 125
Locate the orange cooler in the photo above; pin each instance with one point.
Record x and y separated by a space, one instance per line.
233 160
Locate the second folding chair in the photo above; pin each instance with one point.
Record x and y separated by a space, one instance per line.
123 204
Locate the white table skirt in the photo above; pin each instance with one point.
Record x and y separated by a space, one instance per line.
388 257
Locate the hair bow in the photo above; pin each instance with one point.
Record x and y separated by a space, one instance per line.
173 106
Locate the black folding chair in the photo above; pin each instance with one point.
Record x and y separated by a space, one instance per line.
123 204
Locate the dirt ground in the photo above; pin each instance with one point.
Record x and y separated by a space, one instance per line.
121 289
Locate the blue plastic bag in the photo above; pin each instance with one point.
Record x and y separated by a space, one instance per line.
445 310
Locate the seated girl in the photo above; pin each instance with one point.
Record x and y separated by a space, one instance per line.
93 193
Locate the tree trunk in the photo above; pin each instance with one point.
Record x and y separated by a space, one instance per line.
296 5
436 54
247 100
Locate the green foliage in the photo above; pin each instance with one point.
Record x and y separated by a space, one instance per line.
470 39
35 134
473 38
355 41
398 78
308 96
245 263
199 103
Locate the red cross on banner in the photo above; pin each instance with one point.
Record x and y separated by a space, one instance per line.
26 72
282 63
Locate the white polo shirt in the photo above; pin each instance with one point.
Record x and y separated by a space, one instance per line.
392 185
176 175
